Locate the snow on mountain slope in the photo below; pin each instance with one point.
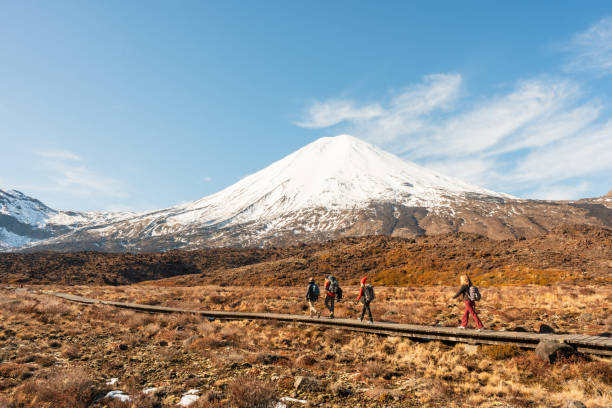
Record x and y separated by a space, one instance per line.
333 187
335 173
317 189
24 219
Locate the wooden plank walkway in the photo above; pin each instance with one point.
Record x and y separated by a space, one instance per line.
583 343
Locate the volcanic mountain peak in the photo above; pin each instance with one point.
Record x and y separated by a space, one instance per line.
334 173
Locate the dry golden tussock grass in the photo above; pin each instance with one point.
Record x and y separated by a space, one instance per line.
50 349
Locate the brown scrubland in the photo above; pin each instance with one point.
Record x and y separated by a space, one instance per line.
59 354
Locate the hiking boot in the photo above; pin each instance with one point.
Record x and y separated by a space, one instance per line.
361 319
461 327
371 321
479 329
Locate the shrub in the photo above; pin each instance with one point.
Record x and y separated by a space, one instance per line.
247 392
71 352
500 351
68 388
15 370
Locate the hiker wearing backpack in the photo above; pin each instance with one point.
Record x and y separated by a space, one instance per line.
470 295
366 294
312 295
333 288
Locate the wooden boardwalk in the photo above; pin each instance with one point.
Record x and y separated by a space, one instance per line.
583 343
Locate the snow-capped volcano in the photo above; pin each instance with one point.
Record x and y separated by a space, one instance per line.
333 187
333 173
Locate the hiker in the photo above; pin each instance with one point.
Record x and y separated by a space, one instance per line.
332 287
312 295
366 294
470 303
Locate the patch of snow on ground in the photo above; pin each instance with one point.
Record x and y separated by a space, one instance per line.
189 398
289 399
118 394
112 381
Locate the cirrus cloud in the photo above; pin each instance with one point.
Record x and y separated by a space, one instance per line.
539 131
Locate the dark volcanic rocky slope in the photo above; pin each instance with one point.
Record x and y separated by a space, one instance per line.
568 253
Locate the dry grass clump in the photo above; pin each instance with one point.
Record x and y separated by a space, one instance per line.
500 351
71 352
71 387
179 352
16 370
248 392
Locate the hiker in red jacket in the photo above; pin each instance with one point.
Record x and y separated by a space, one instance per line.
470 305
366 294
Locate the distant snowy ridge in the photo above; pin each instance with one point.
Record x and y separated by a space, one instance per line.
24 219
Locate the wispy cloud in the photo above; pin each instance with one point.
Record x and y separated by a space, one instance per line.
332 112
81 181
65 172
207 179
591 50
561 192
58 155
586 152
542 130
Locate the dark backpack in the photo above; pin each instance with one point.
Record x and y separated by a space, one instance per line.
313 292
369 293
473 293
339 293
333 285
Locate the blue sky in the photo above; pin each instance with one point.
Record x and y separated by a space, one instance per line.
141 105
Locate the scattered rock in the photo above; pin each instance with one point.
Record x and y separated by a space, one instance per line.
470 348
163 343
307 384
551 351
305 361
237 366
546 329
575 404
340 389
123 346
189 341
150 390
268 358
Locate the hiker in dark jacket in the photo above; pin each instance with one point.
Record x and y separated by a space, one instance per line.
470 305
312 295
331 294
365 300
